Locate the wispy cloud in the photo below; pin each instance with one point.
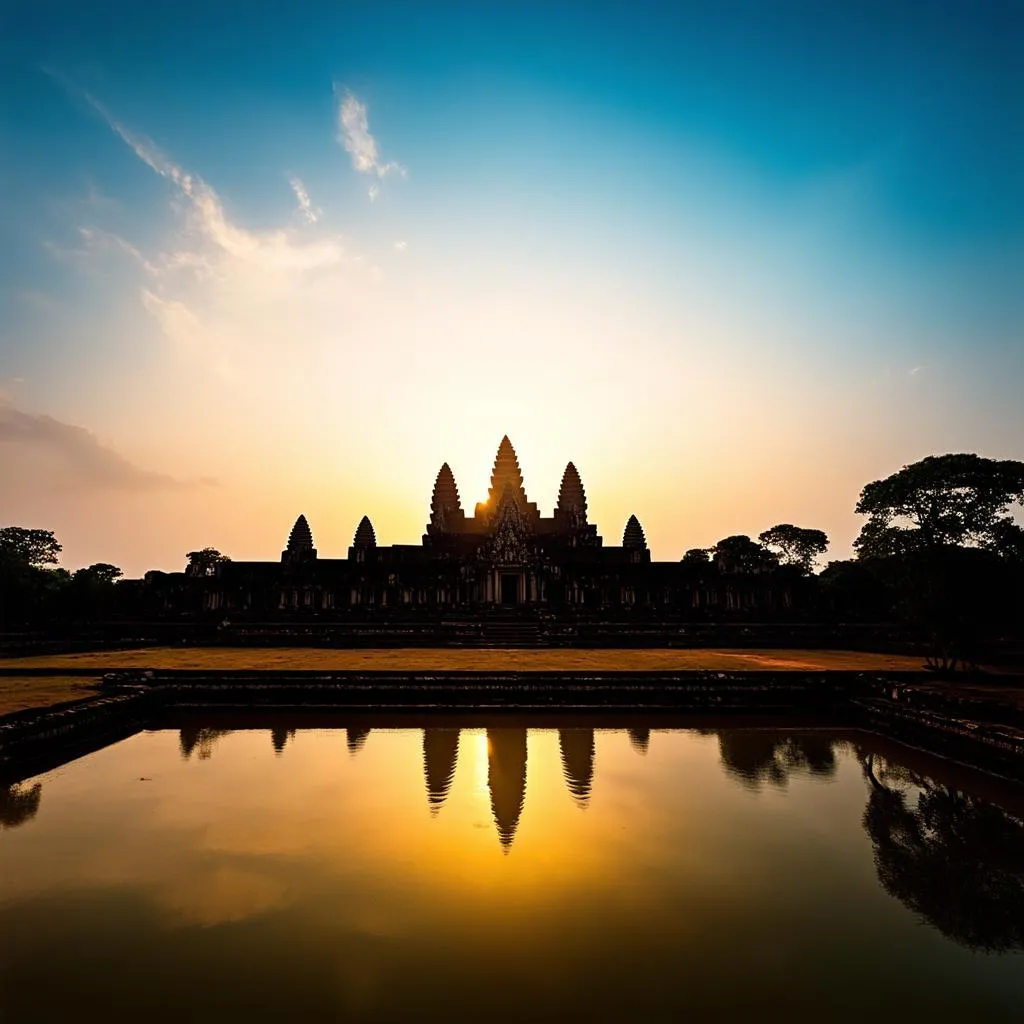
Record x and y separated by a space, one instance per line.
310 212
401 246
234 301
275 250
360 145
71 455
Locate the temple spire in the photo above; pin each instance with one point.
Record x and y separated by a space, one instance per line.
506 476
445 504
572 499
365 537
300 542
633 535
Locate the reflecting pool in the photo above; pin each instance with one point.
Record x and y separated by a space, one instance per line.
218 871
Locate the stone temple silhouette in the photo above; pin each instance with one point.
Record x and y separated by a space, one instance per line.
505 553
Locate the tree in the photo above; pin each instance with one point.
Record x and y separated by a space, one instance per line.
697 556
795 545
102 573
28 547
739 554
204 562
941 501
941 534
28 591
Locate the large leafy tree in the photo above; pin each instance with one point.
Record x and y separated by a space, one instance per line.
942 501
941 534
740 554
29 590
34 548
101 574
795 545
696 556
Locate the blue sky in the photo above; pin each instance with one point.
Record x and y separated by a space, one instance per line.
716 237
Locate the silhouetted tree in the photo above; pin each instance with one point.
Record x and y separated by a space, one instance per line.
29 590
204 562
28 547
696 556
941 501
955 860
102 573
795 545
739 554
941 536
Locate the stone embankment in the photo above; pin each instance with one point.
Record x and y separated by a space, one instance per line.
984 731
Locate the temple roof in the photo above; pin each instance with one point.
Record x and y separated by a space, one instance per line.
571 496
365 537
633 535
506 474
301 537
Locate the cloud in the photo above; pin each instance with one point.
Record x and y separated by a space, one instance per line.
360 145
401 246
272 250
233 301
69 455
306 208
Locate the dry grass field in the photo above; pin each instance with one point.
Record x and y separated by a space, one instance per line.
17 693
20 692
270 659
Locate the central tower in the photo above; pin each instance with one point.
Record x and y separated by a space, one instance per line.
506 477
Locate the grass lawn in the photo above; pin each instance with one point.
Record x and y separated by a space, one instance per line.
269 659
20 692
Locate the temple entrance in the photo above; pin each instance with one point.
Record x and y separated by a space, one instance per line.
509 588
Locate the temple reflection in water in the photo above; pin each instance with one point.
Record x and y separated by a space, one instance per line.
955 859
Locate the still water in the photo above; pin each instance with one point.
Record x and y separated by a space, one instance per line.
510 874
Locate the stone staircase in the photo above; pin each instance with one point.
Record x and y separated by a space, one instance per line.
509 632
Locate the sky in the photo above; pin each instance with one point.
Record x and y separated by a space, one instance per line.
733 259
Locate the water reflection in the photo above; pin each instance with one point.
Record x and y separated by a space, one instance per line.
954 859
19 804
577 749
506 779
756 756
440 755
639 739
279 737
355 738
199 739
313 887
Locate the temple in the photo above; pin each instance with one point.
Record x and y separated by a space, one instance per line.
506 554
